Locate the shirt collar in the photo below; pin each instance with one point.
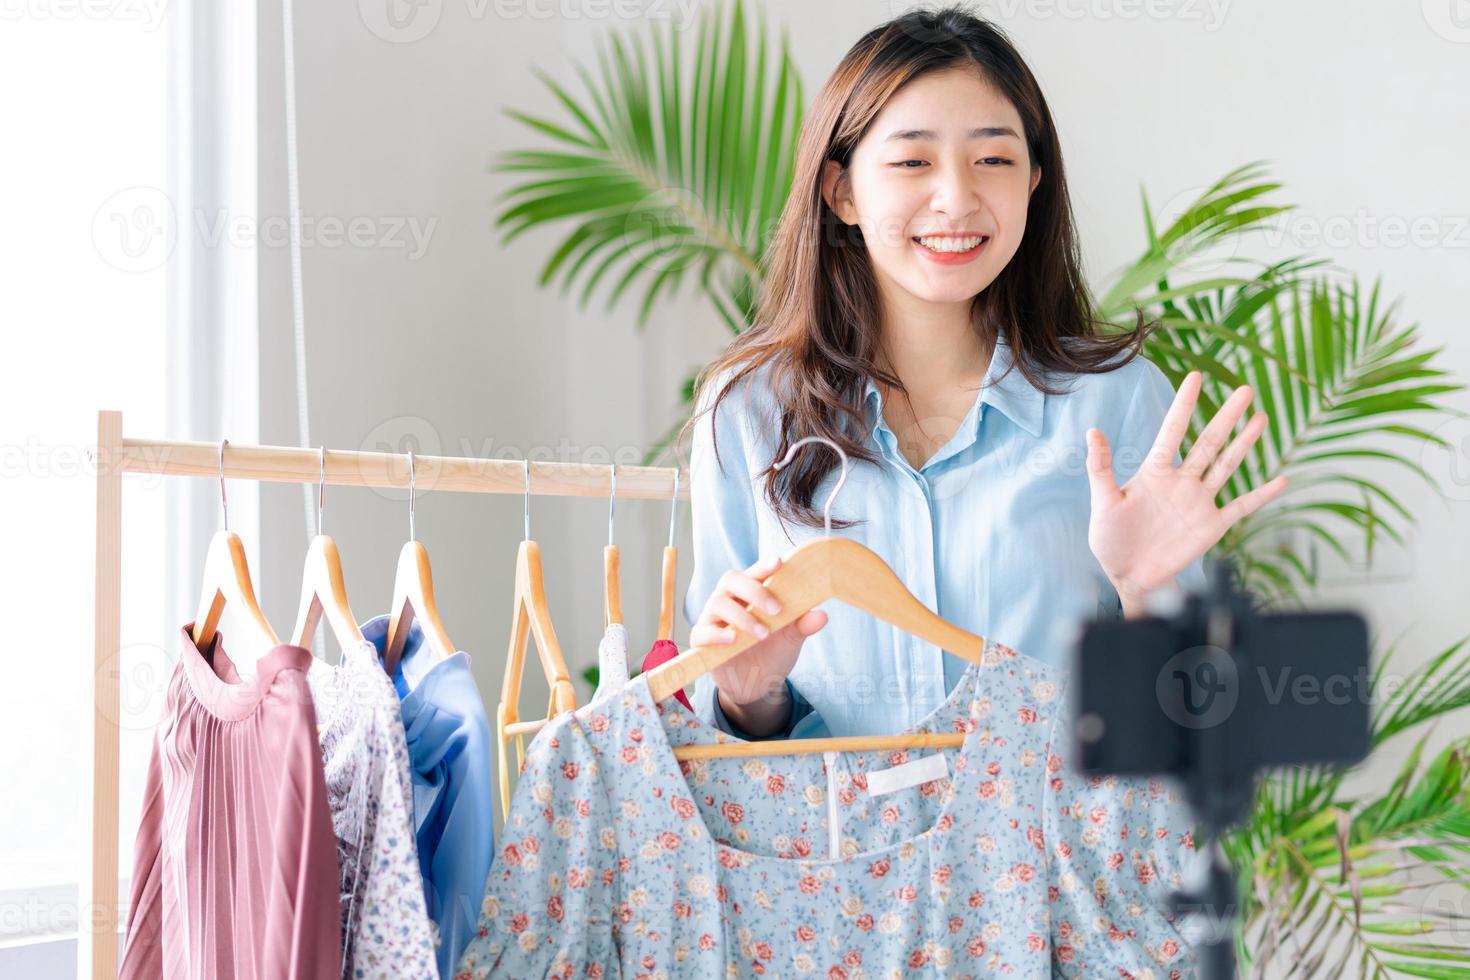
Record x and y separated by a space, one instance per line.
1016 398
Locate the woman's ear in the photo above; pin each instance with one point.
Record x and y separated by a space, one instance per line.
1035 179
837 192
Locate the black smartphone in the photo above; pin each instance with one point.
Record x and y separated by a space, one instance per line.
1294 688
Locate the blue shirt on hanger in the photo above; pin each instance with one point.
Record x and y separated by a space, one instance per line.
991 533
452 767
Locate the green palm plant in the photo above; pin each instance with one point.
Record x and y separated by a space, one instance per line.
1380 882
676 163
1338 375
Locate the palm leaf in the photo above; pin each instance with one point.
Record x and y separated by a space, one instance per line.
1332 370
675 160
1350 876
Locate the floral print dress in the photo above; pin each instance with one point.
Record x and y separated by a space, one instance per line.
386 929
619 860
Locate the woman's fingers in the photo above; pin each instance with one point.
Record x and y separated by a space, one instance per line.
751 591
707 634
1206 448
1175 424
1230 459
809 622
1248 503
727 610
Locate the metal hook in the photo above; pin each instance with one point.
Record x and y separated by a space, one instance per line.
321 491
674 507
224 502
412 485
527 463
612 500
827 508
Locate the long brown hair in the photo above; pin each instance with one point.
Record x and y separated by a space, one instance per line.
816 322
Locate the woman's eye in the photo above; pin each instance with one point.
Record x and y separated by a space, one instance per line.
913 164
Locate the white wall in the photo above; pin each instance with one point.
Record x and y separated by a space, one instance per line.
1359 107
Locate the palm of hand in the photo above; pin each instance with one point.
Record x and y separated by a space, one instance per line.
1165 517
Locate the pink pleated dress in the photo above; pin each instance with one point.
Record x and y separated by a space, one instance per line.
235 871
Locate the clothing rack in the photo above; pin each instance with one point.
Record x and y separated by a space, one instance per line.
98 917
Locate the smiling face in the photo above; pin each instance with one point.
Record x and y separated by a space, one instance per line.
939 185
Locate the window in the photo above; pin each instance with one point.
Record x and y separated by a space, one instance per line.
125 122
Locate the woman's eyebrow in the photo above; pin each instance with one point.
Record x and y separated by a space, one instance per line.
979 132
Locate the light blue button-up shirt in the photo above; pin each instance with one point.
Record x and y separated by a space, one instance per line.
991 533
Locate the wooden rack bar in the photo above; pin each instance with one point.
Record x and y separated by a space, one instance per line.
99 915
289 464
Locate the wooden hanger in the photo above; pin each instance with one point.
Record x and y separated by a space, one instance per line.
323 588
413 595
530 619
670 572
821 569
612 588
226 581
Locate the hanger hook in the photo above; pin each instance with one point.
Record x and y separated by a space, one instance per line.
612 499
527 464
412 486
674 506
321 491
827 507
224 502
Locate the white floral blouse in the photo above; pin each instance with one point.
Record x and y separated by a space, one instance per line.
386 929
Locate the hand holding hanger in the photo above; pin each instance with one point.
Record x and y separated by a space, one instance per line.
820 569
747 681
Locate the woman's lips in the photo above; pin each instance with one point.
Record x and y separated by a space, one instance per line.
949 258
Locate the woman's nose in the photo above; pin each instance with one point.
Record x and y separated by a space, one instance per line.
955 192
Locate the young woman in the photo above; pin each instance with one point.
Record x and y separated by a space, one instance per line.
924 308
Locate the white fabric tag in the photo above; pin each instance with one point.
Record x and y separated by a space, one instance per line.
922 770
834 816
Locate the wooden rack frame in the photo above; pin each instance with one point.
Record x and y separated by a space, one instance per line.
97 893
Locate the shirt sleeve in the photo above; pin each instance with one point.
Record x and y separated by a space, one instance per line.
552 890
1141 423
1117 847
715 715
722 497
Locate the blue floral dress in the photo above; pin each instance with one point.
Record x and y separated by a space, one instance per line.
619 860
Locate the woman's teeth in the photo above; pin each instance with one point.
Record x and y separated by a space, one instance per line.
950 244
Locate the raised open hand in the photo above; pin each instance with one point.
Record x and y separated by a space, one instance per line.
1164 518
